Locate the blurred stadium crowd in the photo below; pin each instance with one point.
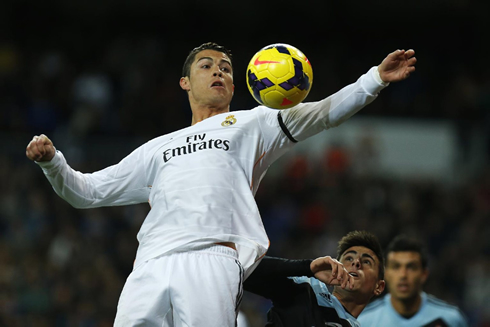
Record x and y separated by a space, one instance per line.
100 97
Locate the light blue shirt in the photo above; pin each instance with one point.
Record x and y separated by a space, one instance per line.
433 313
333 310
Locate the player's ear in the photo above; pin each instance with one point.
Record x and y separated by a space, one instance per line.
184 83
380 287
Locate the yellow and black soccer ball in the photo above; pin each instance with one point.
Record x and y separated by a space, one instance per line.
279 76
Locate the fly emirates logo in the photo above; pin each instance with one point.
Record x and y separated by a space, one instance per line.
196 143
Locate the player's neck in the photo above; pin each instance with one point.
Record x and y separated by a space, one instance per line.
407 307
199 113
352 303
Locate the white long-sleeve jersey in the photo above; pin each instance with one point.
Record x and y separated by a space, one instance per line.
201 181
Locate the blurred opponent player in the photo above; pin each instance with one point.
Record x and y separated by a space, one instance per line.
203 235
406 304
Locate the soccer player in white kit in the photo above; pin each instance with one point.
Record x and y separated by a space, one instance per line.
203 235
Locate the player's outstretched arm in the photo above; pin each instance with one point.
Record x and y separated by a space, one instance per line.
331 272
308 119
119 184
397 66
40 148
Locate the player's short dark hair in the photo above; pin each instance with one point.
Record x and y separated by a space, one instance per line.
186 70
403 243
366 239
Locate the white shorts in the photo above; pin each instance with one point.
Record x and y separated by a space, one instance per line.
200 288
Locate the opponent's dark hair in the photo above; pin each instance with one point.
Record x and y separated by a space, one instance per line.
366 239
403 243
186 69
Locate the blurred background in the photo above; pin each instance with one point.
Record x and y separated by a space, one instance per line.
101 78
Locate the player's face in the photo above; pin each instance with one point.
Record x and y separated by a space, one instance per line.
363 264
404 274
211 79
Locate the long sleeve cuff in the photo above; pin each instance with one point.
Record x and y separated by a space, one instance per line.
372 82
48 166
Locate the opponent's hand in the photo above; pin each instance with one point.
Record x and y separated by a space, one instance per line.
331 272
40 149
397 66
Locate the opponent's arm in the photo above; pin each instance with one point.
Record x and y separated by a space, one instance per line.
308 119
124 183
270 278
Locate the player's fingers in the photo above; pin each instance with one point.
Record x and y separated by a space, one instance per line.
30 154
45 145
345 278
40 145
32 150
334 269
33 154
34 139
409 53
408 71
396 54
46 139
343 274
340 271
37 148
29 145
351 282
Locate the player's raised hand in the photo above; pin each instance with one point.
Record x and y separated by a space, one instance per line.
397 66
331 272
40 148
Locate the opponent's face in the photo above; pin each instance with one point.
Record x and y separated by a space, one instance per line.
363 265
211 79
405 275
